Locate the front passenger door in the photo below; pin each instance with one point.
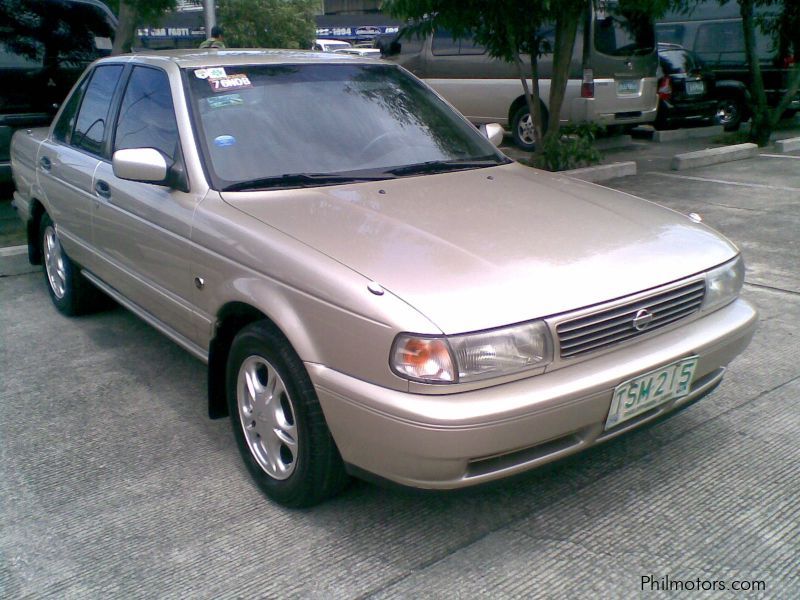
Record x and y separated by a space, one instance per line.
143 229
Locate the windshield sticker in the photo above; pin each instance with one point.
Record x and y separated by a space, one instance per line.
223 101
212 73
231 82
222 141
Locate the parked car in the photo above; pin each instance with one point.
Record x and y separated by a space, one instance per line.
374 52
686 89
330 45
376 289
715 34
45 45
612 83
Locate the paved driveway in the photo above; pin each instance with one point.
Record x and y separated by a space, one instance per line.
114 482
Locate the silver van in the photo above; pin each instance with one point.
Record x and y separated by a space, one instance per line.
613 83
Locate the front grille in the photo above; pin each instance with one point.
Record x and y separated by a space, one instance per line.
606 328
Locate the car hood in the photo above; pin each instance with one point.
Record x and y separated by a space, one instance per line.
482 248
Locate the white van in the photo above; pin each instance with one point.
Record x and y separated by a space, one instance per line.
613 83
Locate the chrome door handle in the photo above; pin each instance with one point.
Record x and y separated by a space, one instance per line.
102 188
45 162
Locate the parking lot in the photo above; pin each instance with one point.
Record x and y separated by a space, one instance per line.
116 483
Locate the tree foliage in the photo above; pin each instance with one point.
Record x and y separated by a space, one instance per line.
132 14
268 23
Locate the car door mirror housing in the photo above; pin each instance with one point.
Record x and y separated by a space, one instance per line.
147 165
493 132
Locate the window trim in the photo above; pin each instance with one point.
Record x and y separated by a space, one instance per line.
118 109
76 90
112 109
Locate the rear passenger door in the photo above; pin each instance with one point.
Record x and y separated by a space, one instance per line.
141 228
67 161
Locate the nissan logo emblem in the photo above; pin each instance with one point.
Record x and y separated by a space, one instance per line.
642 320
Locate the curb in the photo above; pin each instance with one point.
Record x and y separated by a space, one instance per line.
713 156
603 172
687 134
789 145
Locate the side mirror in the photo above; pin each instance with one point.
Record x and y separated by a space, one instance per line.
140 164
494 132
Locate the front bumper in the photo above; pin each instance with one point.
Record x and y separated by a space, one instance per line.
457 440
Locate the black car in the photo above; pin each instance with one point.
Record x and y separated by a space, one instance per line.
44 47
686 89
714 31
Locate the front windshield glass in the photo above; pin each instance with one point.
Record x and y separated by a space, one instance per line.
259 124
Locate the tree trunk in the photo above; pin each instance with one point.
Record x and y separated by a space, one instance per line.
760 124
792 88
532 95
566 31
126 29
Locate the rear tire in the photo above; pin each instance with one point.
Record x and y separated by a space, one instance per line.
70 292
522 128
730 113
277 420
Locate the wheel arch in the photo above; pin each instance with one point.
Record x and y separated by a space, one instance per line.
232 317
520 101
731 88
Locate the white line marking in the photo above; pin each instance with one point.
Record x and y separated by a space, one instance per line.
722 181
13 250
780 156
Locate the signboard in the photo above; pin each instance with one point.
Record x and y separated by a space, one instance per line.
362 32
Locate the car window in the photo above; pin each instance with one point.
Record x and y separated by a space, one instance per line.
410 42
146 115
718 38
622 32
677 61
26 54
66 122
90 127
444 44
670 33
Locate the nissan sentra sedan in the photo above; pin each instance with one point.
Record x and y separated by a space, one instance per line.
376 289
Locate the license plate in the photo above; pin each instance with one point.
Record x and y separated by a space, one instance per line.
695 87
640 394
628 86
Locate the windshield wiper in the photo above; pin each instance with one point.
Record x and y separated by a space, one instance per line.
442 166
291 180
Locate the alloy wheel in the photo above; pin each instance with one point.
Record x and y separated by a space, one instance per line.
268 418
54 262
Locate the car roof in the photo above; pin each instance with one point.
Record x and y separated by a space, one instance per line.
188 58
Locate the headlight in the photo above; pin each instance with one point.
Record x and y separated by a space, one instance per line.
723 284
472 356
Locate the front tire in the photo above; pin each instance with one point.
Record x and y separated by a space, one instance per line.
277 420
70 292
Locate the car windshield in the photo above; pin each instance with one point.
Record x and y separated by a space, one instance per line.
268 126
